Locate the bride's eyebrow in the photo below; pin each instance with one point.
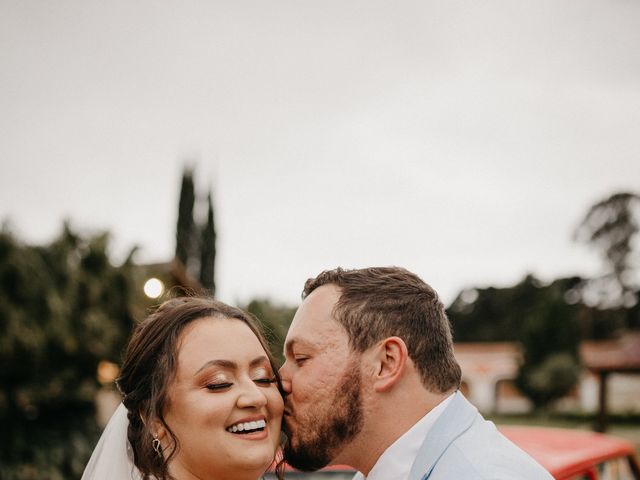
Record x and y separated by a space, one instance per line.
228 364
259 361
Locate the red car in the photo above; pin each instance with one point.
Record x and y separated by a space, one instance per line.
567 454
577 454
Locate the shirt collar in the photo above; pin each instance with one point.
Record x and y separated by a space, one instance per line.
395 463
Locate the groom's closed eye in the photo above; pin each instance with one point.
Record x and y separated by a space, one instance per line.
299 360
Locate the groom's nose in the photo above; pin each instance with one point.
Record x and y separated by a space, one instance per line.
285 378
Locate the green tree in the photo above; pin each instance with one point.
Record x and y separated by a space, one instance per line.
496 314
611 226
208 251
275 320
64 307
550 339
547 320
185 229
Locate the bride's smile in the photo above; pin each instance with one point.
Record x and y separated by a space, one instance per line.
223 405
201 399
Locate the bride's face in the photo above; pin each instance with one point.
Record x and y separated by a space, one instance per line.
224 405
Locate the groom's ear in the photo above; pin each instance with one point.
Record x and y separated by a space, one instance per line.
390 360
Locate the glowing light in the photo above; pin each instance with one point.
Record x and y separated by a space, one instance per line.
107 372
153 288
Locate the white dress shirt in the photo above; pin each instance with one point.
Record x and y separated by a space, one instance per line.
396 461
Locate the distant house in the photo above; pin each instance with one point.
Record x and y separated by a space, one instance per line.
489 370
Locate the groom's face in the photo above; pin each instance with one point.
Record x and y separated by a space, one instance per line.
322 381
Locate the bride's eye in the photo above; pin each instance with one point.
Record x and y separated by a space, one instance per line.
265 381
262 376
218 381
218 386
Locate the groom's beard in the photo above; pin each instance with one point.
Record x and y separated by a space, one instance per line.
320 438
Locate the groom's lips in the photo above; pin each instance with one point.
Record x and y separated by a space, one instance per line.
286 420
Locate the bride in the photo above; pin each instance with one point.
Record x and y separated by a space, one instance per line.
201 399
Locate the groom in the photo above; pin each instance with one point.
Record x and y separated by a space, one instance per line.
371 381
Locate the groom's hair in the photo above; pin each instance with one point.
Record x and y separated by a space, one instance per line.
376 303
149 367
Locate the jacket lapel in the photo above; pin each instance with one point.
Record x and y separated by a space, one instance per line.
456 419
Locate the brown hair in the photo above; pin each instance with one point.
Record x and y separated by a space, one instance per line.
150 365
376 303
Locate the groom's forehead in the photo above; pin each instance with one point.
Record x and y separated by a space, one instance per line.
317 309
296 343
314 335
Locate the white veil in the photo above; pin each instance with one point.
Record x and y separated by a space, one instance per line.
113 456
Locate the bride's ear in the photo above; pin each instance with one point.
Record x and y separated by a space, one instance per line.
155 426
160 432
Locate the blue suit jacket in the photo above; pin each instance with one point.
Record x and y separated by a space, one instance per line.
462 445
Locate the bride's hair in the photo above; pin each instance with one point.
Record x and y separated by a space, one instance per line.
149 367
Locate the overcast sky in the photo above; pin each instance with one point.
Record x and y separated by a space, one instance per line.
463 140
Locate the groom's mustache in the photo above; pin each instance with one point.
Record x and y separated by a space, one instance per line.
287 414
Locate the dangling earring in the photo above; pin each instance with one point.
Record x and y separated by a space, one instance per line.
156 446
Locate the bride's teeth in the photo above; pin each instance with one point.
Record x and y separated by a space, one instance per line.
241 427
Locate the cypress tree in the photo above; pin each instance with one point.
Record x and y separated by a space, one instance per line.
185 227
208 252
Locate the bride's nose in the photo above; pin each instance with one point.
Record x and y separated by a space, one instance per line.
251 395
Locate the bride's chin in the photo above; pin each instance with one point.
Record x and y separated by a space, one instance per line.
245 464
261 463
251 470
241 471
